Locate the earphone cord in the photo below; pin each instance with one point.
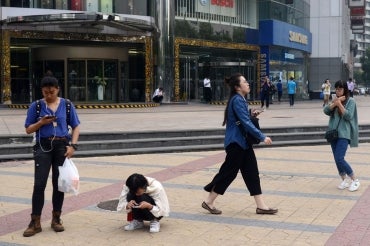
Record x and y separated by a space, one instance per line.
51 142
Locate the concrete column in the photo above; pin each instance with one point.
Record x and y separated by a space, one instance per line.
165 20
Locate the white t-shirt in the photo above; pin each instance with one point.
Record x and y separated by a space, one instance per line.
157 92
351 85
325 88
207 82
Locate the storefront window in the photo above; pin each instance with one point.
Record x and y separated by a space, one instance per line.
287 63
76 80
92 80
96 82
15 3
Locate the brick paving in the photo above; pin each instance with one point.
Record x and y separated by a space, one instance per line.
300 181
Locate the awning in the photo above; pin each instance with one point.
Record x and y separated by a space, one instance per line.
122 22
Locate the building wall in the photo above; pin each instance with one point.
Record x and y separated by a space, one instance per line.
324 68
331 57
363 40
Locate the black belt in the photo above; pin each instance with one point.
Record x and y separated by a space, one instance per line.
57 138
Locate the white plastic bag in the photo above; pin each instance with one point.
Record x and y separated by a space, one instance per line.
69 179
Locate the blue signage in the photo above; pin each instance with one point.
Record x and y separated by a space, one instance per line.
273 32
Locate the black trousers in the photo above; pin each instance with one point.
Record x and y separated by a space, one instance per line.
265 97
142 214
237 159
51 155
157 99
207 94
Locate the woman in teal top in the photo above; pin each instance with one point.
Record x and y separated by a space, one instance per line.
343 115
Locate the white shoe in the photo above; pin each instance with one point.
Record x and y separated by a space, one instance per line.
133 225
154 226
344 185
355 184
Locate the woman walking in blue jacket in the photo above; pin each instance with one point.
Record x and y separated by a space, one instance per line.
239 154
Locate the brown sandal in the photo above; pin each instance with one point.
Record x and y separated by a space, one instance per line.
211 210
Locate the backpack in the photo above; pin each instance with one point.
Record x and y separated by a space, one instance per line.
68 110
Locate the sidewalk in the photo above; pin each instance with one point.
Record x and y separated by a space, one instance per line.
300 181
192 116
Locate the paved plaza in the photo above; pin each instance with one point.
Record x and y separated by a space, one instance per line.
301 181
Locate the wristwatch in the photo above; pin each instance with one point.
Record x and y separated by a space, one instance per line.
75 146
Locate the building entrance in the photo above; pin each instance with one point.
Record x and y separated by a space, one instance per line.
200 59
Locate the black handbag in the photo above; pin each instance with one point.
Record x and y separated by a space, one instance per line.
251 140
332 135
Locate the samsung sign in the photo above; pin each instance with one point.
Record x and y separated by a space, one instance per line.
298 37
273 32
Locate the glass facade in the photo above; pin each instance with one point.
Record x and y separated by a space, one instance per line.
287 56
134 7
100 60
286 63
295 12
213 45
85 74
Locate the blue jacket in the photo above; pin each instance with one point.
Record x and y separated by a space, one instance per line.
348 125
291 86
233 134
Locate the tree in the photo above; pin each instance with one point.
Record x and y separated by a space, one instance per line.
365 61
358 77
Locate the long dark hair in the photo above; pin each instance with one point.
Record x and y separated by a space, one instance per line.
233 81
342 84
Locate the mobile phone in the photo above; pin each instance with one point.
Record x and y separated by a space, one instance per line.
136 206
333 96
50 116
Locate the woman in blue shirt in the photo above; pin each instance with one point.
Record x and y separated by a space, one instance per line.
48 119
343 116
239 154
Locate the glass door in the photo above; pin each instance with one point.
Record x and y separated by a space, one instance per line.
93 80
77 80
188 77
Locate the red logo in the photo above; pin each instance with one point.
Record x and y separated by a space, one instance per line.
223 3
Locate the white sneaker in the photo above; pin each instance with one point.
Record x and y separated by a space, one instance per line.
344 185
355 184
154 226
133 225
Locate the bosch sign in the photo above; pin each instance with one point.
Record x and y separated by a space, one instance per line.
223 3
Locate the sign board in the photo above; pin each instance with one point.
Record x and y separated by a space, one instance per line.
356 3
219 7
357 11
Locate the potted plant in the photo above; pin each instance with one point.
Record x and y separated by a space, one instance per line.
101 86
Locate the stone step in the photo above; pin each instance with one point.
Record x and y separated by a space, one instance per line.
98 144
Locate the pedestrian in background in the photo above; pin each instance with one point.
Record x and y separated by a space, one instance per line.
207 89
351 86
265 92
48 118
239 153
326 90
292 87
343 117
158 95
279 87
146 199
